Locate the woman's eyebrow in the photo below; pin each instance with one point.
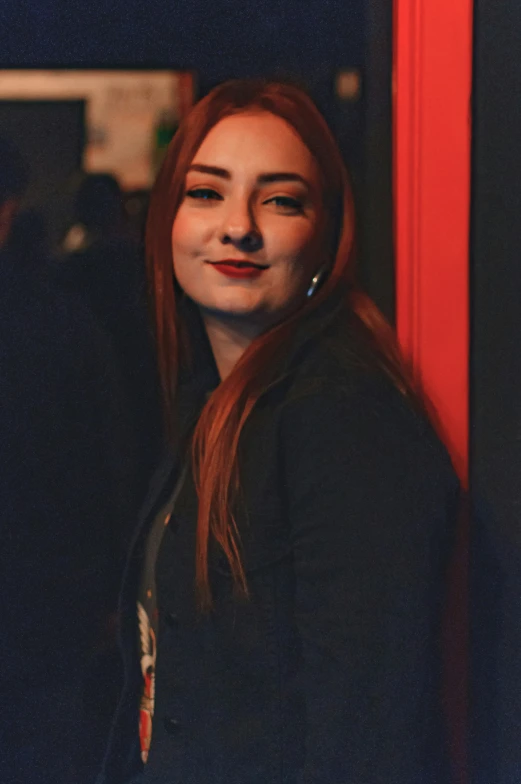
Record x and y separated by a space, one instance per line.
262 179
215 170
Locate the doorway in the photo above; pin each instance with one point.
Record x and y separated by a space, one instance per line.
50 136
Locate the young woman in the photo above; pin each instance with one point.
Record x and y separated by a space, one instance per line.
281 606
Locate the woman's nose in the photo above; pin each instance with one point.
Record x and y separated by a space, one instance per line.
240 229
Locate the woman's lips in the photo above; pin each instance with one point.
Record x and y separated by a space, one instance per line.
238 269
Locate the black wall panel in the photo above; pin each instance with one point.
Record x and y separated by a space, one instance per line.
496 396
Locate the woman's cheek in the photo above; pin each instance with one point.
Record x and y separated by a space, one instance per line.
180 231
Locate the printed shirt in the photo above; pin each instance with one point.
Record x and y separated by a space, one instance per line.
148 619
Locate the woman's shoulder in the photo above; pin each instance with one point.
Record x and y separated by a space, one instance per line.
341 364
340 393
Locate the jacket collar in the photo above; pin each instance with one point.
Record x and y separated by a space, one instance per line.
310 327
200 377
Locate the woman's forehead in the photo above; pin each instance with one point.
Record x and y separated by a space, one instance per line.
255 139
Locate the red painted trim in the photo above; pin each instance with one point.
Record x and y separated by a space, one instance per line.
432 160
432 136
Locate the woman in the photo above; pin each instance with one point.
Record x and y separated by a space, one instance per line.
290 560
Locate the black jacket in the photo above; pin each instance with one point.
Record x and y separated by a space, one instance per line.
330 673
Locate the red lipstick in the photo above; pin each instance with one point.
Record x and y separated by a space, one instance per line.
238 269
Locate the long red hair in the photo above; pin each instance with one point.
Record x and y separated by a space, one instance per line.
216 437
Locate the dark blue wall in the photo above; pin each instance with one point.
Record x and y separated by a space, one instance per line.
496 396
217 36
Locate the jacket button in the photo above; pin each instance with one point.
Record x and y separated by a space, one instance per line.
171 619
171 725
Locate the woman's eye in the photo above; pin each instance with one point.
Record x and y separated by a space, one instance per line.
288 203
203 194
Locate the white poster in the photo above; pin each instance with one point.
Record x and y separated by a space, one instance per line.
124 110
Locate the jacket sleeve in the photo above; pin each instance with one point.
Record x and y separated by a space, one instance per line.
372 502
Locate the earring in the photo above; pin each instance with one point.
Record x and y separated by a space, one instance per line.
317 281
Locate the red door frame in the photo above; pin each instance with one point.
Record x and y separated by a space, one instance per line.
432 137
432 84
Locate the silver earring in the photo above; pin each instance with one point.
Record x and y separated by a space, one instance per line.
317 280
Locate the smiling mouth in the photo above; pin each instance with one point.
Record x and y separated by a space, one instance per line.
239 264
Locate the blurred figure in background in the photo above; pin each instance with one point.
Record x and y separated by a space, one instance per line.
29 242
103 266
66 484
13 182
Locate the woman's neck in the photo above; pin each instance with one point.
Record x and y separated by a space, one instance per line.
229 339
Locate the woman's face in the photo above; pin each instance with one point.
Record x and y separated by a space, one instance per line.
252 196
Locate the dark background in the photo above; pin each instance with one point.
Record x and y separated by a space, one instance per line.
310 40
37 126
496 395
